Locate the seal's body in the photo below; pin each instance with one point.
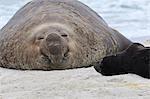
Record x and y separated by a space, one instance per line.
57 34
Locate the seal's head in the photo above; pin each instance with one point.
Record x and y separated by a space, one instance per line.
52 47
55 48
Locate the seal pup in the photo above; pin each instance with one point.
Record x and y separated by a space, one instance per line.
57 34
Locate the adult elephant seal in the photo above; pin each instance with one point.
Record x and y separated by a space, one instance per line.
57 34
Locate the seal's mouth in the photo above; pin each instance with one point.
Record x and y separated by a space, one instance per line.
56 60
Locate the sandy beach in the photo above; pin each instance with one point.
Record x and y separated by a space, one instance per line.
83 83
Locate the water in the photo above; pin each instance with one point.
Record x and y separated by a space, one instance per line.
130 17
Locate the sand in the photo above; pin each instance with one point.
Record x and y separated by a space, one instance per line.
83 83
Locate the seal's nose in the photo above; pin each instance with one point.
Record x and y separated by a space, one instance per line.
53 37
54 44
57 48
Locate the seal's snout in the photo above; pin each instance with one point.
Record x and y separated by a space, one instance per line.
56 44
53 37
57 48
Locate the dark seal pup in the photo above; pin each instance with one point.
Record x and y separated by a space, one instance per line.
135 59
57 34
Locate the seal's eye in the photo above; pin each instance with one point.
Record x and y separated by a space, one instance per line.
40 37
64 35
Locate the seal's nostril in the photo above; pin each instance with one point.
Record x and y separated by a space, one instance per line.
66 53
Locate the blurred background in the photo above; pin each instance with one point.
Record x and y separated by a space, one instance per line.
130 17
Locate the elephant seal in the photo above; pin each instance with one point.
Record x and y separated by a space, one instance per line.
135 59
57 34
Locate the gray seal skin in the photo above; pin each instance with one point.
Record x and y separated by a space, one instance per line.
57 34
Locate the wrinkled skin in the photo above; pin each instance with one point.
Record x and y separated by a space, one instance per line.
57 34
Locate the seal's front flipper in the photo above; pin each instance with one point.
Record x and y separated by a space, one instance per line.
111 65
141 63
135 59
